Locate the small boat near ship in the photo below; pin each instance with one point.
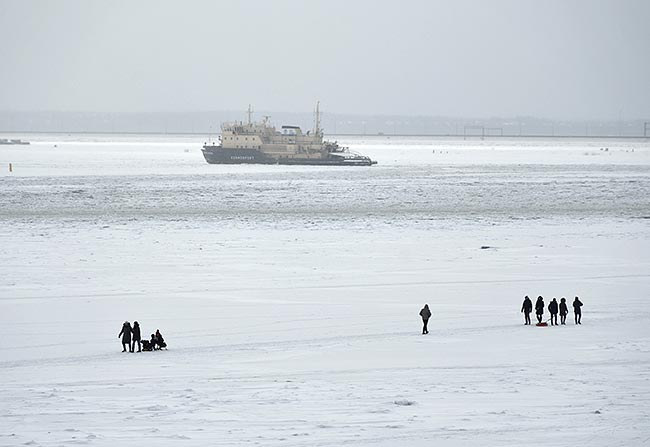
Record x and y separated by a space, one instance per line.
261 143
14 141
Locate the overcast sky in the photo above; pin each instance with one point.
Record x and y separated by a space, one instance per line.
551 59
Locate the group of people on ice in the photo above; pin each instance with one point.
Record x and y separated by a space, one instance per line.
131 335
554 308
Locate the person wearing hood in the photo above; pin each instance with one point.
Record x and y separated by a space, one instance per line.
527 308
160 341
577 311
125 333
552 308
136 337
425 313
539 308
563 310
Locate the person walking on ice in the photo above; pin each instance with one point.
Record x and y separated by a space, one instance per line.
539 308
425 313
553 308
527 308
125 333
577 311
563 311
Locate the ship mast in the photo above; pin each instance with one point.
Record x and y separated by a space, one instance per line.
250 113
317 119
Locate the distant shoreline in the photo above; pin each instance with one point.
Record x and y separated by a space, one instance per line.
374 135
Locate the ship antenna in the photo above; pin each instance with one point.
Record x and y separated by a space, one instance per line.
250 113
317 119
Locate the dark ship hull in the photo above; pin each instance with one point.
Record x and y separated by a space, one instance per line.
219 155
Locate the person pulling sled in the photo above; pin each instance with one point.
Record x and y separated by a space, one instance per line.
539 309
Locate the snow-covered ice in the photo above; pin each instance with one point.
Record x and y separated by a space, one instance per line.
289 296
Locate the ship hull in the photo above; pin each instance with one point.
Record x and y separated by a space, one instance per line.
219 155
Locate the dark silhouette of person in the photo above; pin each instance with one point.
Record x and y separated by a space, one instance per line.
425 313
160 341
125 333
563 310
152 342
539 308
577 311
552 308
527 308
136 337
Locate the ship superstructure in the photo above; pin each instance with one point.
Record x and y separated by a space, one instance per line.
260 142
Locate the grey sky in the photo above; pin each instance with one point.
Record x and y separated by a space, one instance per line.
553 59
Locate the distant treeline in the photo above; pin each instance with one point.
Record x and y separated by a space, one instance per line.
204 123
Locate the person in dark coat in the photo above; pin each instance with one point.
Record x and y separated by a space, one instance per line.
553 308
425 313
527 308
152 342
136 337
160 341
125 333
539 308
563 310
577 311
